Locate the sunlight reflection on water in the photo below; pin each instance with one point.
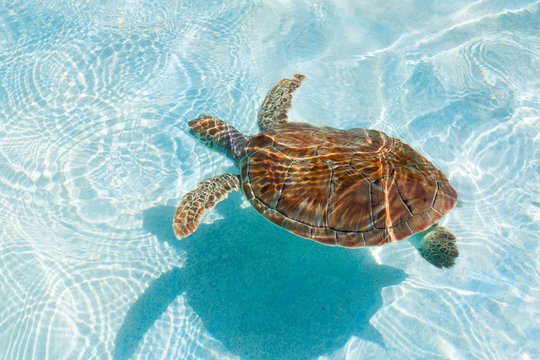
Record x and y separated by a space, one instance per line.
94 101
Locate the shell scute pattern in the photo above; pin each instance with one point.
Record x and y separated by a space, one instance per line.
305 191
349 207
351 188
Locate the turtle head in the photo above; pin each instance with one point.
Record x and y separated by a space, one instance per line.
219 135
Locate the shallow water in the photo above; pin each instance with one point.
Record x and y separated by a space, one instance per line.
94 157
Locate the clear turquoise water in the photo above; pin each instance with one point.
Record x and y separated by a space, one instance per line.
94 157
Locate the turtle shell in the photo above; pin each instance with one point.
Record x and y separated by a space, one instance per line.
352 188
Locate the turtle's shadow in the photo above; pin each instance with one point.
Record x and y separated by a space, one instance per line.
261 291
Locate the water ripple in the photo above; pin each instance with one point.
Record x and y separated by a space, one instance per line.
95 96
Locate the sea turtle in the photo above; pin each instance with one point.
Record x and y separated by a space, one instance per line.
351 188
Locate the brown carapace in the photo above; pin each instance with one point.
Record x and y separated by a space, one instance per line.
352 188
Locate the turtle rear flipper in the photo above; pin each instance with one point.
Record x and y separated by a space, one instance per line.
277 102
207 194
438 246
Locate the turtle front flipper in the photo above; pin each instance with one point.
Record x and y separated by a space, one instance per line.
438 246
278 101
207 194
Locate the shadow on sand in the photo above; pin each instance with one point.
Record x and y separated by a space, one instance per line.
261 291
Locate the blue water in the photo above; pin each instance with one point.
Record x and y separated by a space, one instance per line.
94 157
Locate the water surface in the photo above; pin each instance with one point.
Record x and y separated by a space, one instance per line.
94 157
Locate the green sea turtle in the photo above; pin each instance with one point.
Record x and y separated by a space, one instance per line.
351 188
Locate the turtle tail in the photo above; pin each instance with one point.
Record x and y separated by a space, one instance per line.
218 135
